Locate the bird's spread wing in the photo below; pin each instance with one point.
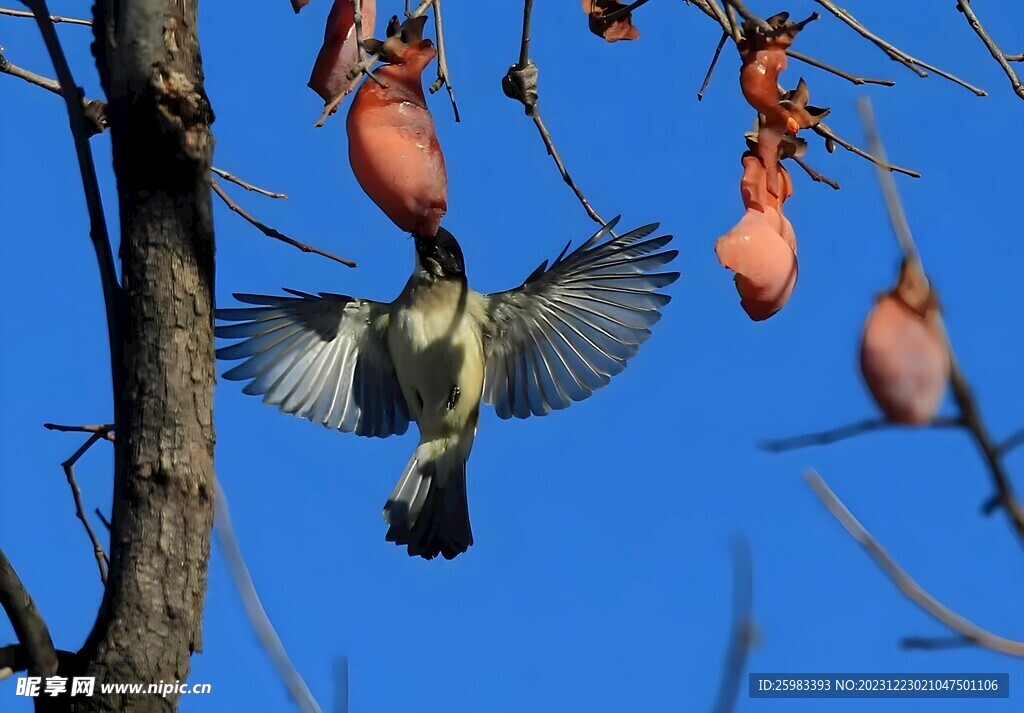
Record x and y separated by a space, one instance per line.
571 326
319 357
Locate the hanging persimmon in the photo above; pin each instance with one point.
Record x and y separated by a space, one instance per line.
903 353
763 56
761 248
340 51
392 142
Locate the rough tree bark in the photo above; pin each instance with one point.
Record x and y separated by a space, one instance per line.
150 622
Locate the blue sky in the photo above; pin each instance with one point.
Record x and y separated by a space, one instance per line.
600 580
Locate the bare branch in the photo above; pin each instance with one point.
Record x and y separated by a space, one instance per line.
16 658
357 20
520 83
711 67
271 232
96 112
27 622
824 131
105 431
102 518
50 85
903 581
834 435
746 14
53 18
79 123
815 175
712 9
258 618
838 72
898 55
247 186
962 392
1012 441
1001 58
443 75
69 472
743 635
934 643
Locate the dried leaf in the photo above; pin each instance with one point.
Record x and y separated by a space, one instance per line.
620 28
340 51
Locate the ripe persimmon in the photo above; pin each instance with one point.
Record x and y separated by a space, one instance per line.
392 142
903 355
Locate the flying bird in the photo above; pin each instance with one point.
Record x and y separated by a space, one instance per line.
440 348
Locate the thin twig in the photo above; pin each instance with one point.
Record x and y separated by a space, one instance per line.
894 53
962 392
357 20
823 130
712 9
102 518
69 472
1010 442
271 232
28 624
520 83
105 430
53 18
246 185
258 618
935 643
95 110
1001 58
903 581
79 124
816 175
743 632
443 76
834 435
711 67
50 85
799 56
746 14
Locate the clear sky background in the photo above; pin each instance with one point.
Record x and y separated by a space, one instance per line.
600 581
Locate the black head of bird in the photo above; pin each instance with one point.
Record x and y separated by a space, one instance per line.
441 256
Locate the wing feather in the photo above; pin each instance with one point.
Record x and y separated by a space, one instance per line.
575 321
320 357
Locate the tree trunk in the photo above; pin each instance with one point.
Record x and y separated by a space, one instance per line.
150 622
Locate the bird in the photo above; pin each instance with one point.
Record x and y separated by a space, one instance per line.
440 349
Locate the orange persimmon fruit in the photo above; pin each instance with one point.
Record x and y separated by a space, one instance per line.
761 248
903 352
392 142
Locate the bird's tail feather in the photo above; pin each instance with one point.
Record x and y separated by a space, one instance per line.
428 509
